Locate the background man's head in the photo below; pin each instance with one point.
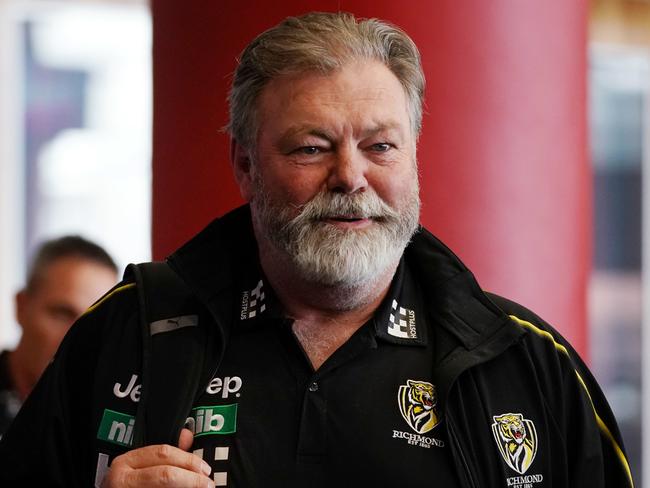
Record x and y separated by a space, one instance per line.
321 42
66 276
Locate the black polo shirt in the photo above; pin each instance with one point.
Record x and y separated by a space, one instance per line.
367 417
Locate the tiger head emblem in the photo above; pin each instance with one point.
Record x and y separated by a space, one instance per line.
516 438
417 403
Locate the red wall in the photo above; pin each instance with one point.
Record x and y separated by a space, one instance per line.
505 179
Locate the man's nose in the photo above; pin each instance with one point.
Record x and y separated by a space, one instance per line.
348 172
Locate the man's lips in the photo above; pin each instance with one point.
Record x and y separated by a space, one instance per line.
345 218
348 220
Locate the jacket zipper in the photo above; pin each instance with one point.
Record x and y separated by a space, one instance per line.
459 454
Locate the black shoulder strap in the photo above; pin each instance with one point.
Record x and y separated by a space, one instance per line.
173 353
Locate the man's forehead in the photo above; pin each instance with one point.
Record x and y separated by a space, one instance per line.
367 96
296 78
71 268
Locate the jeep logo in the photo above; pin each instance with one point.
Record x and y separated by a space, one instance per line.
132 390
226 386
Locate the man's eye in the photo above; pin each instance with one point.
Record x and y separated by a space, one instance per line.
309 150
381 147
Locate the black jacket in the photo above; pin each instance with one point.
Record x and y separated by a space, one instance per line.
501 368
9 401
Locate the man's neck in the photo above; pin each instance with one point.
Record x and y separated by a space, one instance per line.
22 378
325 317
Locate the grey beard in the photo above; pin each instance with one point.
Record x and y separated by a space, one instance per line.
335 257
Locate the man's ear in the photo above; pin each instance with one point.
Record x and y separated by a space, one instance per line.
241 164
21 308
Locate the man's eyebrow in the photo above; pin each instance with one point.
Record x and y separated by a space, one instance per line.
308 130
325 134
386 127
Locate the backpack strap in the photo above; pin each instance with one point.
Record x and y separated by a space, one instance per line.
173 353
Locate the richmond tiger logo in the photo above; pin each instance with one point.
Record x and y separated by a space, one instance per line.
517 440
417 403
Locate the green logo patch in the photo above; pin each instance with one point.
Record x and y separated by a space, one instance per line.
116 427
217 419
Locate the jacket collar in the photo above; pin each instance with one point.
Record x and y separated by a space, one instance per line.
474 328
457 300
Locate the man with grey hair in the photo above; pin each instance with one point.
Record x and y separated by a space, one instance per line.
346 346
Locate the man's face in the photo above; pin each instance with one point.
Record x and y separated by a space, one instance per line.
61 293
333 180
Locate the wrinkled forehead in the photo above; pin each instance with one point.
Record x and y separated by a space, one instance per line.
366 90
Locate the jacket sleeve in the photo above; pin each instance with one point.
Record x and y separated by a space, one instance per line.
50 442
593 439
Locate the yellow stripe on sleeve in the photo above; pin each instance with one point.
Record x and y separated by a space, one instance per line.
599 421
107 296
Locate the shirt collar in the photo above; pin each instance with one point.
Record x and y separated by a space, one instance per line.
256 299
400 319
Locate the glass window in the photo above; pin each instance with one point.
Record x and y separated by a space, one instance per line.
81 78
619 79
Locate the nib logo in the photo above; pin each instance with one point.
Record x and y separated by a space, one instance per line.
218 419
116 428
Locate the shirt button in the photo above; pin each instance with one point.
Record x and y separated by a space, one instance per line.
313 386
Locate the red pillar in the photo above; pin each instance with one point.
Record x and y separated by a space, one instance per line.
505 179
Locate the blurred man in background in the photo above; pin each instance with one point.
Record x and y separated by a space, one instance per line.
66 276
